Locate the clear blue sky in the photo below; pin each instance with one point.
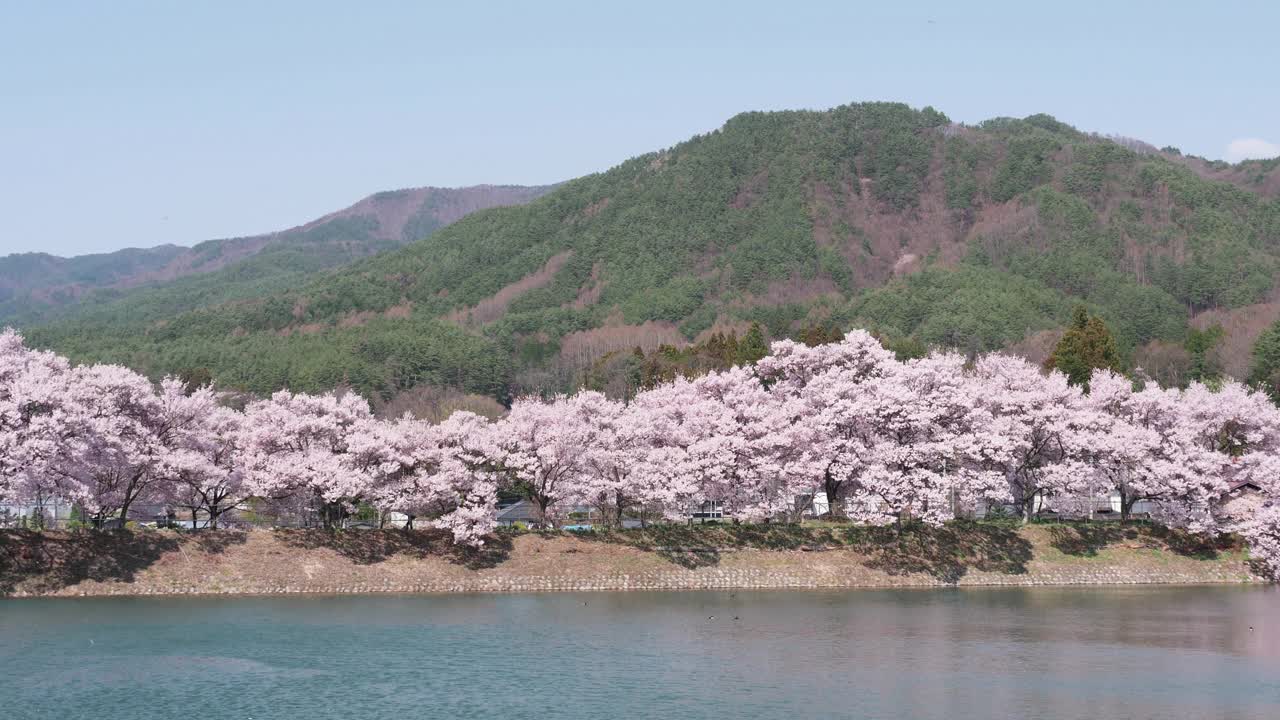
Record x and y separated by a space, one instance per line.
138 123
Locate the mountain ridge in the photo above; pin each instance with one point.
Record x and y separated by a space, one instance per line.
875 214
381 220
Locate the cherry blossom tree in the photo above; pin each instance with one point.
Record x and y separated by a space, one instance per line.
1262 531
794 365
297 444
543 447
442 472
1233 418
114 436
680 455
202 470
393 456
470 475
829 381
467 480
32 388
930 450
1035 421
884 441
760 444
611 482
1141 442
1237 422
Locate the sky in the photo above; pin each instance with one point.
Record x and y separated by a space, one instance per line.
133 124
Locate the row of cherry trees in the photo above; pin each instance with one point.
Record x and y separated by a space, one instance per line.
881 440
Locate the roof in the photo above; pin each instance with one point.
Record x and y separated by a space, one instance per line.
519 511
1243 484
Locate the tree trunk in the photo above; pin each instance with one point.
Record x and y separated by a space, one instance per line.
542 502
832 489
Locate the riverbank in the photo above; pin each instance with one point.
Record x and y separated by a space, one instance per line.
669 558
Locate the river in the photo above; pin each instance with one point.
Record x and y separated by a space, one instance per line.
1211 652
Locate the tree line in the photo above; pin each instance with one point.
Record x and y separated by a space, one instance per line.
882 440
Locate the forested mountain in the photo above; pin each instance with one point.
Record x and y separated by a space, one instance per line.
926 231
38 287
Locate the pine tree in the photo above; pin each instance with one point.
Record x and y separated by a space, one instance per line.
820 334
1266 361
1199 344
753 347
1086 346
731 351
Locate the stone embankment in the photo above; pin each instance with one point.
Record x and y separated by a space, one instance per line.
284 562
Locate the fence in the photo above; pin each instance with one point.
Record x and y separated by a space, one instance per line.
1071 508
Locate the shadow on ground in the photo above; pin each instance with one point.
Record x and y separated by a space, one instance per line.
946 553
1087 539
44 562
697 546
1260 568
367 547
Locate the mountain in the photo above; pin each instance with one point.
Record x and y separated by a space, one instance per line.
29 280
38 287
927 231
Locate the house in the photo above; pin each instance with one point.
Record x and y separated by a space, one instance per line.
814 506
709 510
1103 506
188 524
521 511
1243 501
158 513
395 519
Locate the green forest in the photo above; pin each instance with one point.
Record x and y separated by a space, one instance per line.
877 215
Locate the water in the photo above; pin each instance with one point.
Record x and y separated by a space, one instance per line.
1043 653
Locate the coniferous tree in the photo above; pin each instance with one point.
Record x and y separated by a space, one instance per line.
1266 361
753 346
1199 344
1086 346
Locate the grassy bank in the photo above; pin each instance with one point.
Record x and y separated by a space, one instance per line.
665 557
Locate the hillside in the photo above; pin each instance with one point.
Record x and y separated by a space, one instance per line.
38 287
35 280
976 237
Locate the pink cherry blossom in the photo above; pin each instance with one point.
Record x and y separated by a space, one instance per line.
544 447
297 444
1141 442
1035 423
443 473
32 389
202 470
882 440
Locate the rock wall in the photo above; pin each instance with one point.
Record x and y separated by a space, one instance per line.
266 562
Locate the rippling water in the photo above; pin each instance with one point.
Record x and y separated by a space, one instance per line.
1043 653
